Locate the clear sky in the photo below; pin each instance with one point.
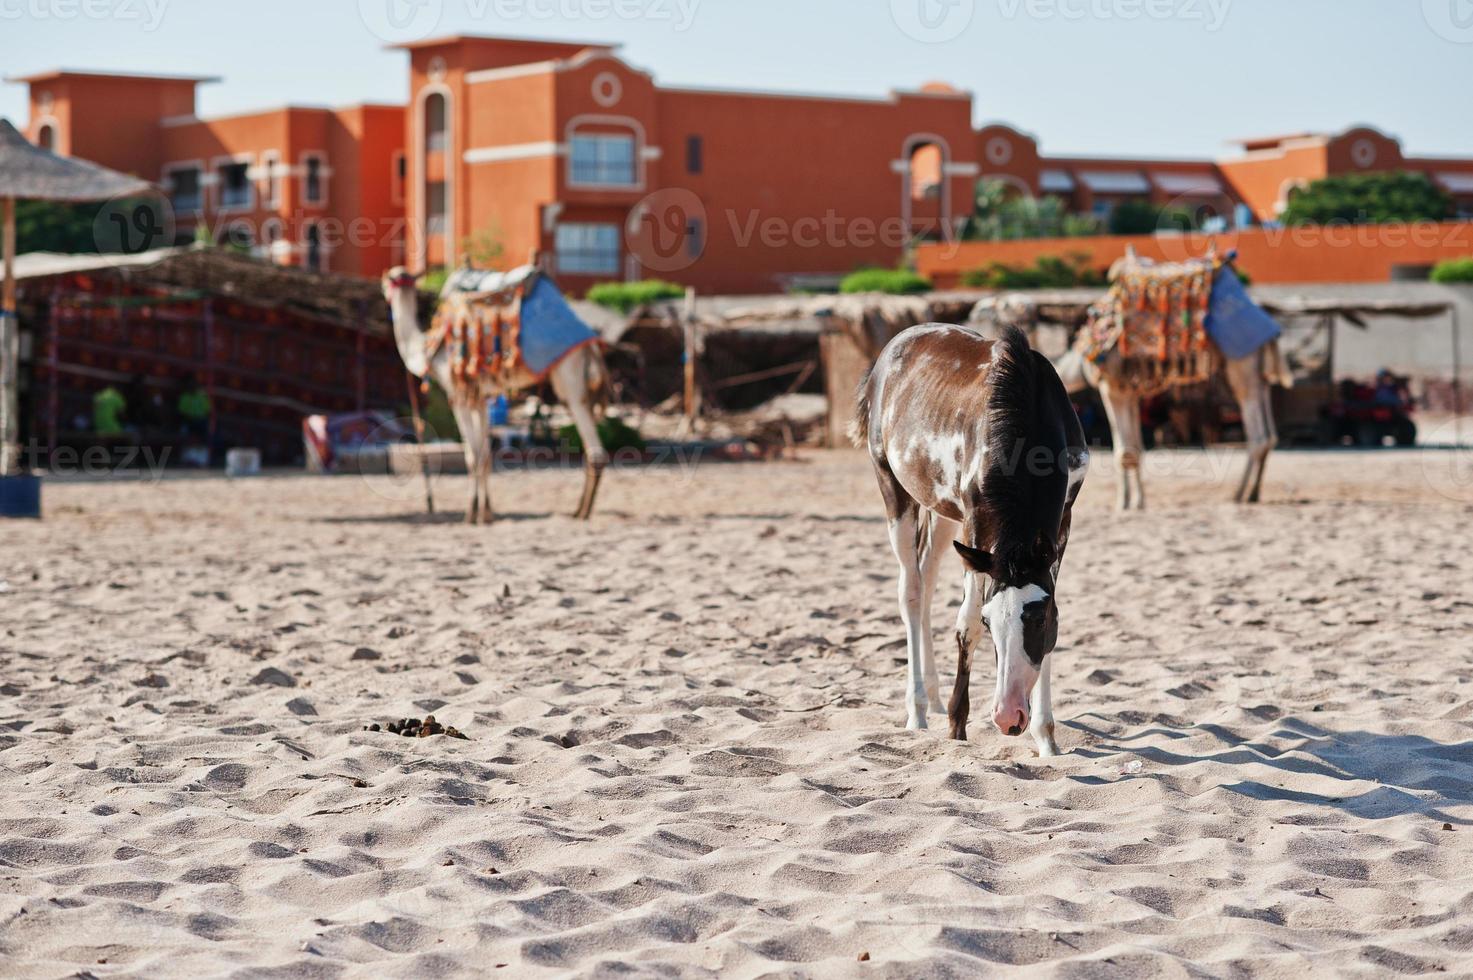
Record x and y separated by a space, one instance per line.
1157 77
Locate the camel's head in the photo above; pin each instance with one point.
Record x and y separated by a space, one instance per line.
398 282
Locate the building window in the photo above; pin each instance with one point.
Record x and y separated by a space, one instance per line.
271 240
605 161
271 178
435 208
314 180
398 177
695 155
184 188
234 177
588 249
46 137
437 128
314 252
695 238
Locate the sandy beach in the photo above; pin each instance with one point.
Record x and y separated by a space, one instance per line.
687 754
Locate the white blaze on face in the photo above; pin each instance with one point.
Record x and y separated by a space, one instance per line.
1016 674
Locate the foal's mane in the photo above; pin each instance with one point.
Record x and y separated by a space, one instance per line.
1022 503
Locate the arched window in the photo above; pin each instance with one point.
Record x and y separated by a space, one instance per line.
46 137
926 162
437 123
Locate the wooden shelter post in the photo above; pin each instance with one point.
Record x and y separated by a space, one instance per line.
9 353
692 395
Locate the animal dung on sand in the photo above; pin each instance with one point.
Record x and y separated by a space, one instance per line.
416 728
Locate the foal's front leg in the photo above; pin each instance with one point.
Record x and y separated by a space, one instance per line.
1042 709
968 635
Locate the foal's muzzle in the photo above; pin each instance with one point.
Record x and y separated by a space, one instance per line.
1010 719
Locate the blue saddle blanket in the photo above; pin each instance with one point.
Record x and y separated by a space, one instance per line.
1236 324
550 328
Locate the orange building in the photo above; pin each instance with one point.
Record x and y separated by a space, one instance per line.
510 149
321 188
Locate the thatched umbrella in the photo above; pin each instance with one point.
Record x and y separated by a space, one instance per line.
30 173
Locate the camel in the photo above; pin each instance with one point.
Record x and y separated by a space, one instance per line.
579 379
1250 378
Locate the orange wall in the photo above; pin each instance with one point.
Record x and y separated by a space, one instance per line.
1365 253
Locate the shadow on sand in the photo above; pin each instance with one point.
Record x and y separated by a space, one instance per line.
1414 774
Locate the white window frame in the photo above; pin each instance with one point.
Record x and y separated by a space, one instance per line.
198 166
273 230
643 152
234 160
324 173
616 256
271 175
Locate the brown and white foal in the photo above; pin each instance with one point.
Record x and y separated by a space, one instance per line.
975 443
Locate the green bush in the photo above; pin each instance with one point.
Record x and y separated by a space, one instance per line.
614 433
626 296
434 280
1047 272
999 213
1453 271
898 282
1368 199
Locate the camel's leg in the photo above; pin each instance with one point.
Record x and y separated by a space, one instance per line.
1246 380
1042 725
968 633
471 420
943 533
571 380
1137 446
1119 412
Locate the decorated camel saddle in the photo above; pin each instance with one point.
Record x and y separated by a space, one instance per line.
503 330
1168 323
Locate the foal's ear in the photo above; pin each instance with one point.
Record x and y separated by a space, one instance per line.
977 561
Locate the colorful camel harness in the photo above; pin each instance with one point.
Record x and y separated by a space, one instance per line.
502 331
483 334
1171 324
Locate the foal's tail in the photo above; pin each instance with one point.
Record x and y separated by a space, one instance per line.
859 425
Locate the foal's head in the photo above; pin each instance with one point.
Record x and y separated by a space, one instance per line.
1018 610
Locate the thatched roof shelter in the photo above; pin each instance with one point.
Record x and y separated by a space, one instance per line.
345 301
30 173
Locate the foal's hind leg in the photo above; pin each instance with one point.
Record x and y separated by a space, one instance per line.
904 527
